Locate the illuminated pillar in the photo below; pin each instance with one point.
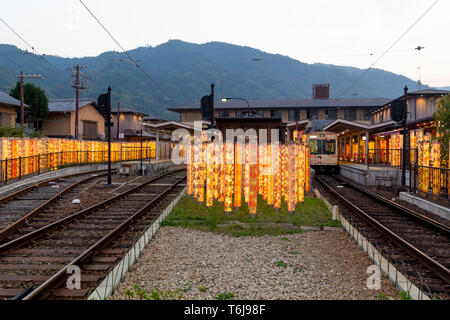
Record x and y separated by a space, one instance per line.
270 176
284 181
246 173
238 175
277 187
436 159
253 191
209 174
301 174
307 164
291 179
228 194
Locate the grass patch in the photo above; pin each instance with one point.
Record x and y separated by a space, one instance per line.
281 264
189 213
405 295
225 296
382 296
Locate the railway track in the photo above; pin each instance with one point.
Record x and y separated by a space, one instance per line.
17 207
403 235
34 265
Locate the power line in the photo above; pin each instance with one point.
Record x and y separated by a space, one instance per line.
29 45
387 50
128 55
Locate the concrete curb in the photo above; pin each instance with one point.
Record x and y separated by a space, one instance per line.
112 280
397 278
426 205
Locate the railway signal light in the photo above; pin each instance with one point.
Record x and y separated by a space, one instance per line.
398 111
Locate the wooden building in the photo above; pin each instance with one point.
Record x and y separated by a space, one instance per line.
60 122
9 108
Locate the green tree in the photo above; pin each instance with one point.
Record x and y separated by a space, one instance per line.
442 115
34 97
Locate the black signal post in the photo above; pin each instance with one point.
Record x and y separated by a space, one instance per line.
104 108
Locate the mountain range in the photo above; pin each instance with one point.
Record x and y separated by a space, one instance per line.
178 72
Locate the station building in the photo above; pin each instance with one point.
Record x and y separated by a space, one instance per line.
382 134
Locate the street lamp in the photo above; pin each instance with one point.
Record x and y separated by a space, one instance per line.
242 99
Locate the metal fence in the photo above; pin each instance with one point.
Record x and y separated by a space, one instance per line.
16 168
381 157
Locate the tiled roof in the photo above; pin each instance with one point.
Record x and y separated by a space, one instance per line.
7 99
67 105
127 110
285 104
430 91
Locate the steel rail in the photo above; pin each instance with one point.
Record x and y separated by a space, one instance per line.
41 183
426 260
87 254
435 224
17 224
44 230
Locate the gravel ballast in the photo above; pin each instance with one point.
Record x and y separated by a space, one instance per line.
309 265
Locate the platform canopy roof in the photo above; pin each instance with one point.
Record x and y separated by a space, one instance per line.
342 126
302 125
168 127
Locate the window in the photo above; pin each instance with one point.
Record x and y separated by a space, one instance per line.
366 117
224 114
294 115
331 114
241 113
258 113
315 146
329 146
312 114
275 113
253 113
350 114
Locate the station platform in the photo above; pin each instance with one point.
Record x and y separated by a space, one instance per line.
372 176
152 167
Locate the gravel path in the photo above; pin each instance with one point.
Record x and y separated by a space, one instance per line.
310 265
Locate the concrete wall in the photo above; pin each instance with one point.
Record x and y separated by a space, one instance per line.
360 174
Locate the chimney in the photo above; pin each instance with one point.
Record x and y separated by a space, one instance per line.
321 91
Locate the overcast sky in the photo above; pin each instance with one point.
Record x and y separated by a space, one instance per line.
341 32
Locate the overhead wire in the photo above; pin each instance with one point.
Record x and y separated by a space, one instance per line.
128 54
385 52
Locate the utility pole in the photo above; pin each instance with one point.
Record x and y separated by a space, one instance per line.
118 120
405 136
142 169
213 125
22 76
108 123
77 84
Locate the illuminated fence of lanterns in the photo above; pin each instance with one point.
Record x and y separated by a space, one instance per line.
228 174
23 156
431 175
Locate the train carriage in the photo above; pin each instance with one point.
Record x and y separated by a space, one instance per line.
323 151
